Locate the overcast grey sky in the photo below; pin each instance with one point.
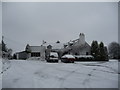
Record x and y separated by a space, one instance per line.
33 22
0 21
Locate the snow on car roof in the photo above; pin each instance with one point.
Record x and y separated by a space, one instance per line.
54 54
68 56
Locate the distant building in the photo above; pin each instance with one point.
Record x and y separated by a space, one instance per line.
21 55
54 46
80 46
77 47
32 52
37 51
74 47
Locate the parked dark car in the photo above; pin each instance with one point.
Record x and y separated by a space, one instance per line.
53 57
68 59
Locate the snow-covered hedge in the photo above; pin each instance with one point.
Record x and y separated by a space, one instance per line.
84 57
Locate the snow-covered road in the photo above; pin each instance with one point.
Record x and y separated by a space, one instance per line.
0 73
39 74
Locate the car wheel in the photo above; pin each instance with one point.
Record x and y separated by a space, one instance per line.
72 61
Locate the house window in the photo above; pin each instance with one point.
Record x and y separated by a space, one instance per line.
35 54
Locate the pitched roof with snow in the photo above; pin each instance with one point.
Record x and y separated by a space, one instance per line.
36 48
55 45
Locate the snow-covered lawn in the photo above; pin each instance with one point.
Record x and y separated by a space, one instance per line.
39 74
119 74
0 73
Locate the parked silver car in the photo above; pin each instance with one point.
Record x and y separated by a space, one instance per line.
53 57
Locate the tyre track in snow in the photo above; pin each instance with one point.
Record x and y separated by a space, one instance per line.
59 78
33 77
18 70
114 71
86 82
5 66
65 78
42 74
70 73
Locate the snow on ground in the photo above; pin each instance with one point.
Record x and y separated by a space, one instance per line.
39 74
119 73
0 73
4 66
